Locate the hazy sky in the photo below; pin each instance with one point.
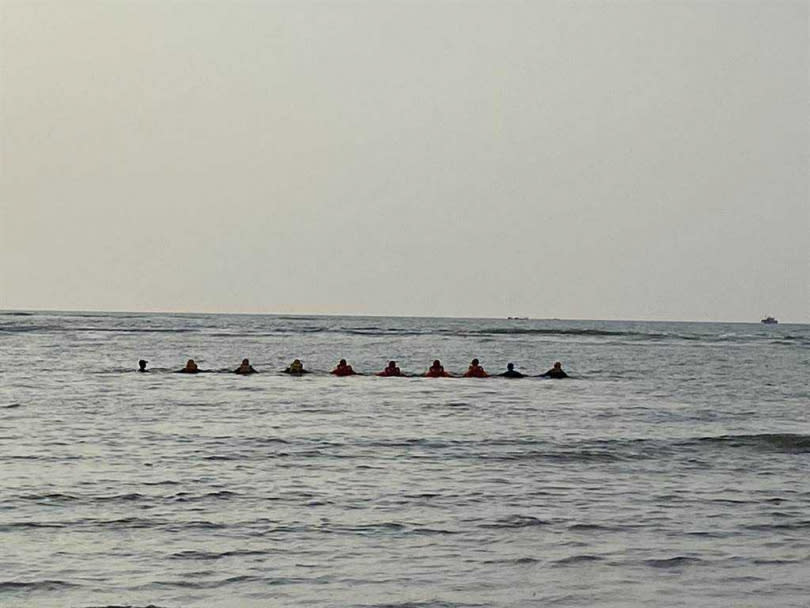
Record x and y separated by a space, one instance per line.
603 160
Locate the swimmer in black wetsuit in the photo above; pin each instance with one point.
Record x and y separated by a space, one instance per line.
142 365
511 373
555 372
245 369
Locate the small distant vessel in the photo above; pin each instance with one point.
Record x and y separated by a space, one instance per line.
769 321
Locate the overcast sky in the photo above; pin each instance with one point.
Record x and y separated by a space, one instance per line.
599 160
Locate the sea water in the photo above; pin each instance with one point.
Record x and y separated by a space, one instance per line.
671 468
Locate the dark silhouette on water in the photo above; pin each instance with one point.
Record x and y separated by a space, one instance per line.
190 368
555 372
511 373
245 368
142 365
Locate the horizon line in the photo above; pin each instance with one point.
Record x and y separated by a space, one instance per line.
371 315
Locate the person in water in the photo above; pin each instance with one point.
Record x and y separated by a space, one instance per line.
296 368
555 372
343 369
475 370
391 370
190 368
142 365
511 373
245 368
437 371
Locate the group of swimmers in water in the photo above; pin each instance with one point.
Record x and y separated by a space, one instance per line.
436 370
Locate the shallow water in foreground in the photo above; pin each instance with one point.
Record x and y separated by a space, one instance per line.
671 469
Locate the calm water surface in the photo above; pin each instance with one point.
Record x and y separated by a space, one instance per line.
670 470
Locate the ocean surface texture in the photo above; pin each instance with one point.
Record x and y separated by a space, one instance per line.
671 469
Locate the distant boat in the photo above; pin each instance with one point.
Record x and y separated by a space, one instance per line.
769 321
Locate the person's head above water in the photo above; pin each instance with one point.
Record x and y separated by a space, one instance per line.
343 369
436 370
475 370
511 372
391 370
296 367
556 371
190 368
142 365
245 368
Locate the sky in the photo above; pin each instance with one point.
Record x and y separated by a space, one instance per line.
577 160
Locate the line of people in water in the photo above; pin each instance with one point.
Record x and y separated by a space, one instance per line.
436 370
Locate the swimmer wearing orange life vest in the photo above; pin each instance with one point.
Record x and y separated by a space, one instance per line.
390 370
343 369
475 370
437 371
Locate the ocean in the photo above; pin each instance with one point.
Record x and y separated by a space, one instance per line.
670 469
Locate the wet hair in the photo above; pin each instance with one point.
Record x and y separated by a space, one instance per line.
475 361
510 366
342 362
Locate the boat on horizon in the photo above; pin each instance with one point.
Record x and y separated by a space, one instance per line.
769 321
